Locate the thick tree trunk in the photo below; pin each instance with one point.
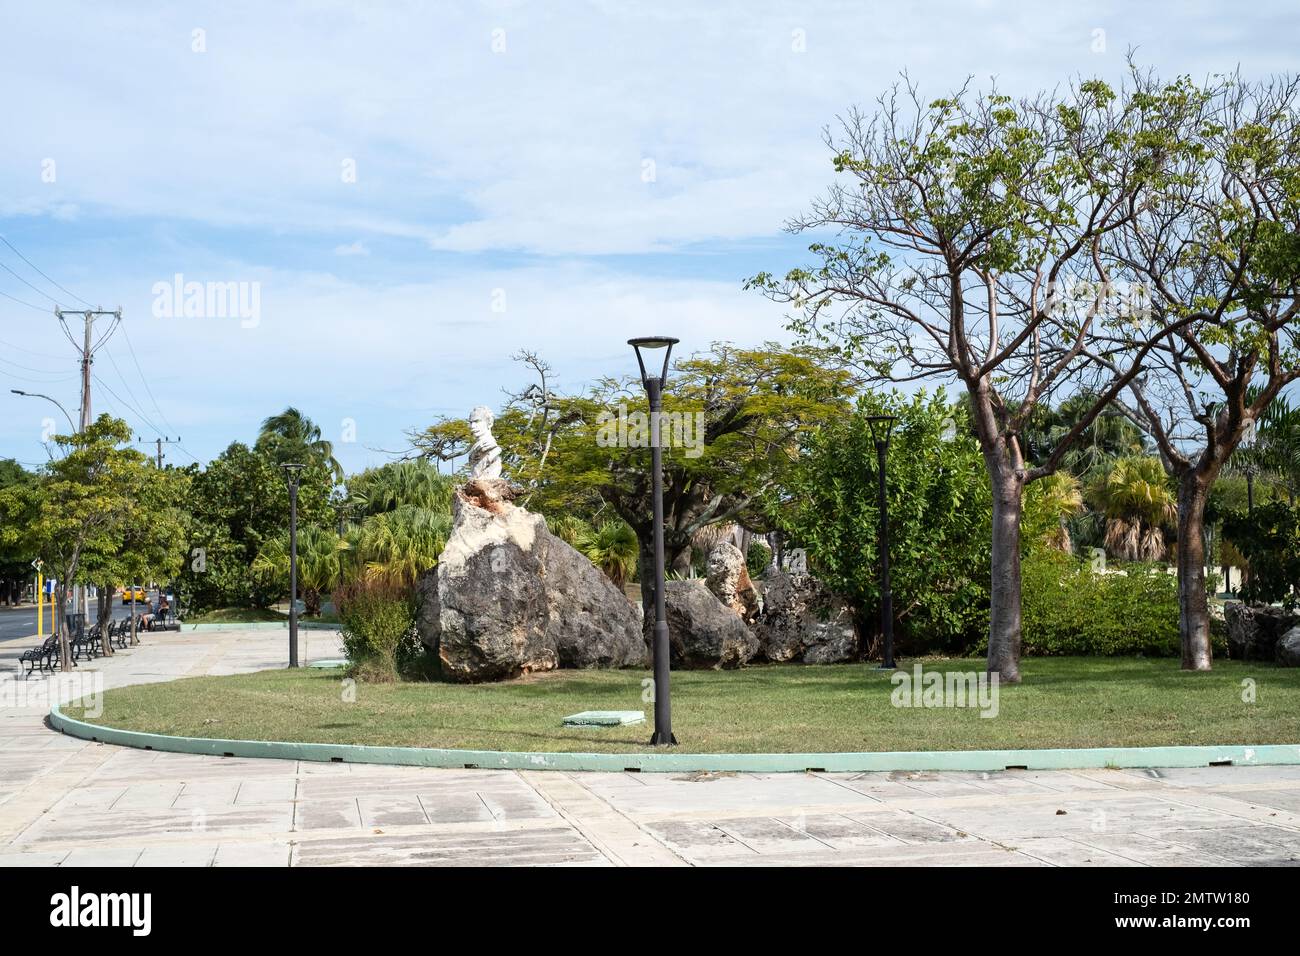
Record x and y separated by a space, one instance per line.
1004 610
1193 606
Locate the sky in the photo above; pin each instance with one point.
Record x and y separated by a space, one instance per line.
400 196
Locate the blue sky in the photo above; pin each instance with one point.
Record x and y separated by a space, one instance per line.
420 189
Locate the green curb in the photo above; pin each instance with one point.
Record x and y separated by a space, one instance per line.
978 760
261 626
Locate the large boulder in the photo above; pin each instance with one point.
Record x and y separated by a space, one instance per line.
728 578
803 621
1254 630
508 597
702 631
1288 648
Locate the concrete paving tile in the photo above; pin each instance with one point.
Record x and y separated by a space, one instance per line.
390 810
252 854
169 856
266 790
551 846
330 814
104 856
38 858
1059 851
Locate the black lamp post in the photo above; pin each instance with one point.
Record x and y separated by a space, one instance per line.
654 387
882 426
292 473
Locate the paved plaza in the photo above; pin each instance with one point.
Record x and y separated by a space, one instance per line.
70 802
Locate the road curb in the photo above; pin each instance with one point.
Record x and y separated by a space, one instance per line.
971 760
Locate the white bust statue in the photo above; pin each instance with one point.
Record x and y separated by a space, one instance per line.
485 453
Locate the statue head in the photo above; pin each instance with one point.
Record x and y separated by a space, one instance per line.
480 422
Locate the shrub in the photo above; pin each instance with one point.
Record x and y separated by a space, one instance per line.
1070 609
1269 537
378 629
757 558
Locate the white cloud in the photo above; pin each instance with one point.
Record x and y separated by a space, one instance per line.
357 248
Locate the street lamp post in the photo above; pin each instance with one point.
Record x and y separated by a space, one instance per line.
882 427
292 472
654 386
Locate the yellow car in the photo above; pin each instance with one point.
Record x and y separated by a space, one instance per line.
141 595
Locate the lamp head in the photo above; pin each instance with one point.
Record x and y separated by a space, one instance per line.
652 344
882 426
292 471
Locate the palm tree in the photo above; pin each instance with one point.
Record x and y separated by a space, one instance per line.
292 436
1050 503
1274 455
1138 502
569 528
396 547
321 558
612 548
414 482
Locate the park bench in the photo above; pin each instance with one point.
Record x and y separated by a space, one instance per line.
41 656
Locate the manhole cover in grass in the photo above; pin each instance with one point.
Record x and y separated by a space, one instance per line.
605 718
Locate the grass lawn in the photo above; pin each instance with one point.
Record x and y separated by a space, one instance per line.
1063 702
236 615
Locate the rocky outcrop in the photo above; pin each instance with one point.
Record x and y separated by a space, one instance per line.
702 631
728 578
802 621
508 597
1288 648
1254 630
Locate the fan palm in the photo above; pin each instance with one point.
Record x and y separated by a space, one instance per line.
396 547
292 436
612 547
1138 502
320 561
416 482
569 528
1050 502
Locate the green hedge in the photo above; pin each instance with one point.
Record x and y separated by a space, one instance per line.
1069 609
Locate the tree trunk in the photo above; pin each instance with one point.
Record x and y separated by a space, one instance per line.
1193 606
311 602
61 625
1004 610
104 617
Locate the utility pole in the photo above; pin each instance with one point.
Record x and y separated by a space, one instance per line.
158 443
88 349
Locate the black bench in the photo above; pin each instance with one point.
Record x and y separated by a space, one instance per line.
42 655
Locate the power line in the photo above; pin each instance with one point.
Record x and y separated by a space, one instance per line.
42 274
15 298
38 291
126 334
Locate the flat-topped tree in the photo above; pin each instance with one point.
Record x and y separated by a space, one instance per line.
1223 246
966 247
734 420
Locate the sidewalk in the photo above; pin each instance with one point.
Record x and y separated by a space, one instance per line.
73 802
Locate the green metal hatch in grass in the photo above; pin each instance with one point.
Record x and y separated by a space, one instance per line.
605 718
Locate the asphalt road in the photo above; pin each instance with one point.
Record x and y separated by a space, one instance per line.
16 622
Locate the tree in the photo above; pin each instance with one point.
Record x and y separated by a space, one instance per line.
1221 248
732 422
16 557
293 437
237 504
320 564
1269 536
87 508
968 249
938 515
612 548
1138 504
